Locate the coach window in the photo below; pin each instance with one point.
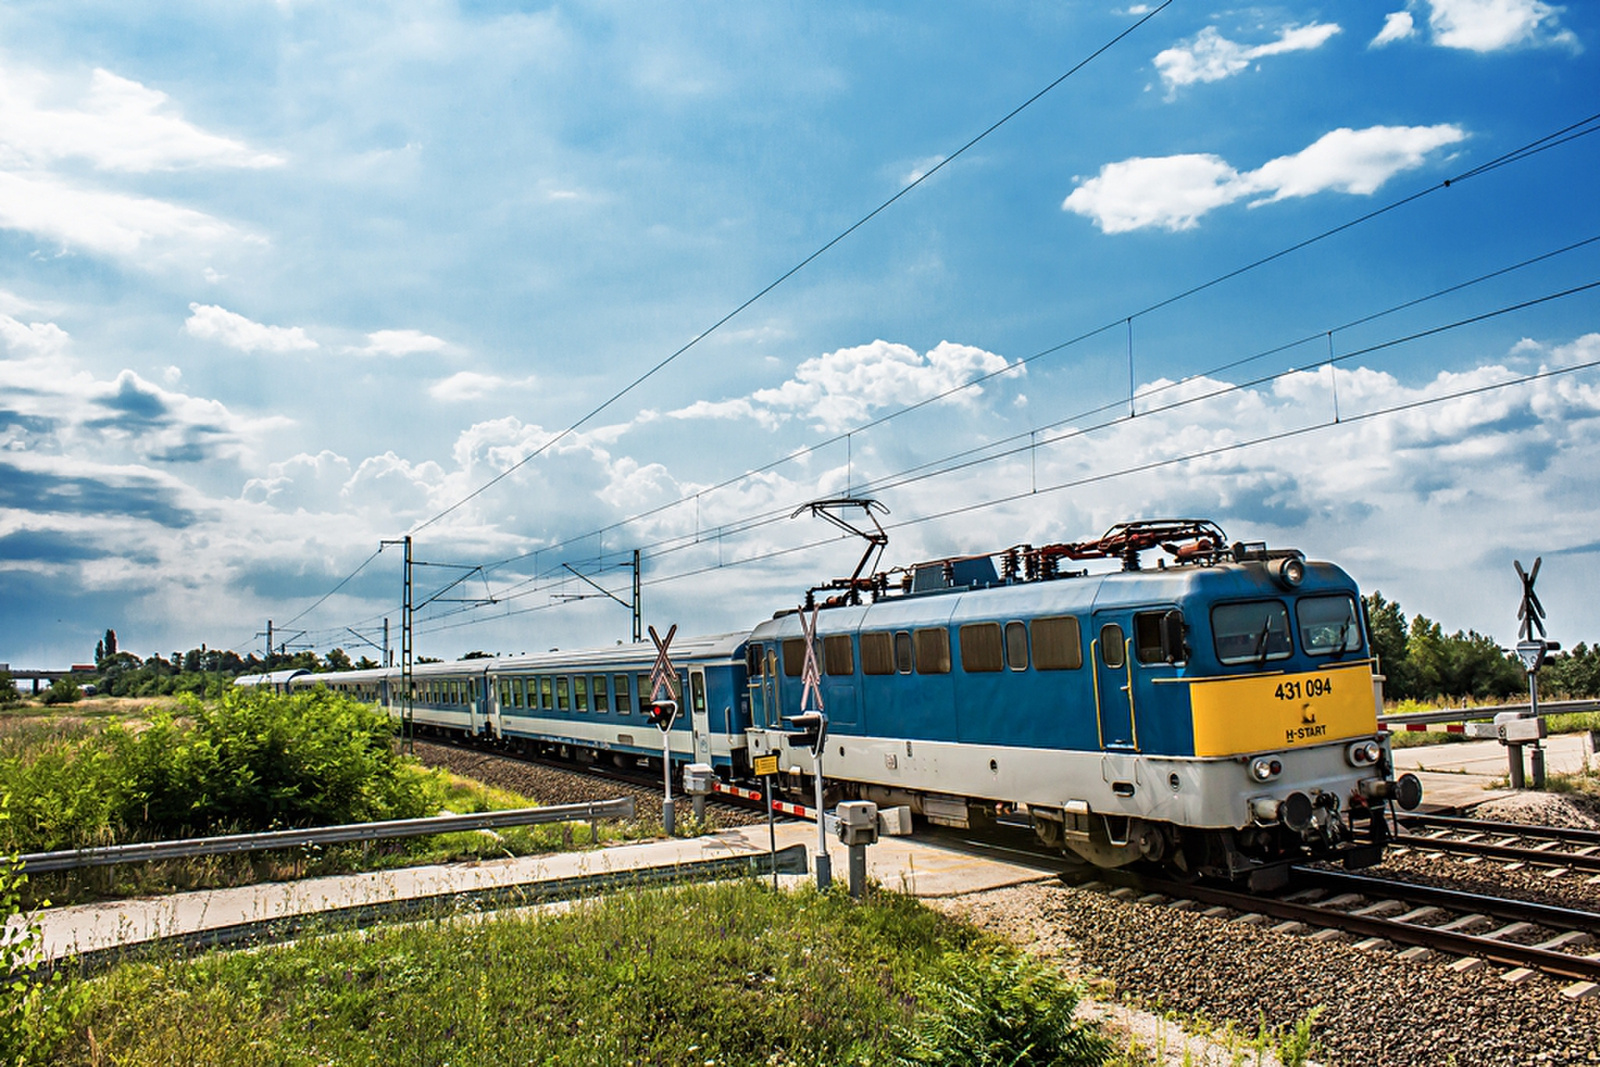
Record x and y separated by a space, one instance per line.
1057 645
602 699
1253 632
619 694
505 693
1112 652
580 693
1017 646
903 658
837 656
563 693
794 657
933 651
980 647
527 691
644 692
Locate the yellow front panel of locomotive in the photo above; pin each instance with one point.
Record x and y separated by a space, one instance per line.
1267 711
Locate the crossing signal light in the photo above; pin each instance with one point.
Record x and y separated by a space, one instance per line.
808 728
662 712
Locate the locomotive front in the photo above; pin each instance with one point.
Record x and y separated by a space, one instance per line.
1271 701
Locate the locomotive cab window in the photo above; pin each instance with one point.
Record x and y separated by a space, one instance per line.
1328 624
1253 632
877 653
1158 636
753 661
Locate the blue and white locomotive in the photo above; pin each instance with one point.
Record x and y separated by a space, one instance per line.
1215 714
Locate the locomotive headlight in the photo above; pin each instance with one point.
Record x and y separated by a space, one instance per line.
1263 769
1291 572
1363 753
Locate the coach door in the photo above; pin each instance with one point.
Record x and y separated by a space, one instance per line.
699 718
1110 648
489 693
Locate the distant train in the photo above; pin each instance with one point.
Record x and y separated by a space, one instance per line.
1214 715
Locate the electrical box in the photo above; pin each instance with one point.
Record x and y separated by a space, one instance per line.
1513 729
858 822
697 779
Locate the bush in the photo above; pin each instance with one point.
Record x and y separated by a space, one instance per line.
9 697
1000 1008
63 691
254 760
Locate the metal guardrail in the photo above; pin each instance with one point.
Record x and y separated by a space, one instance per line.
110 855
1487 711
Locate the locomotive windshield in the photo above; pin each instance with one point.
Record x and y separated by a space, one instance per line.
1328 624
1253 632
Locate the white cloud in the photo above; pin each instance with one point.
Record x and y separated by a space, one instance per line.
472 385
32 339
114 223
1493 25
211 323
845 387
402 343
117 125
1397 26
1173 192
1210 57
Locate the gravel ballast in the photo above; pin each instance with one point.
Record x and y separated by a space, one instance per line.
1375 1008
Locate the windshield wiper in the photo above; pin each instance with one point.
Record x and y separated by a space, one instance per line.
1339 647
1261 643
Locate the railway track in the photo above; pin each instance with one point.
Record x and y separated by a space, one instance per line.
1526 937
1551 847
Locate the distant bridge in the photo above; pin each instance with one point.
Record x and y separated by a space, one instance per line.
22 674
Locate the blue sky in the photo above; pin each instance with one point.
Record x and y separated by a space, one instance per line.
279 280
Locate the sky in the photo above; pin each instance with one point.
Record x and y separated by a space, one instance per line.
282 280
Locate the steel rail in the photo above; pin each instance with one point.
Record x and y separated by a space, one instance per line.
1546 961
1572 834
111 855
1495 850
1512 910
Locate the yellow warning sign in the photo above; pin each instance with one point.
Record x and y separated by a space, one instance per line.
766 765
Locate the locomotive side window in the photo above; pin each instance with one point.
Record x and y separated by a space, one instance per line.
933 651
753 660
619 694
1158 636
1016 646
794 657
902 652
1112 652
1328 624
1253 632
563 694
877 653
1057 645
980 647
837 656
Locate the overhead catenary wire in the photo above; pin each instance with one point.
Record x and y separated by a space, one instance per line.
1570 132
797 268
1212 395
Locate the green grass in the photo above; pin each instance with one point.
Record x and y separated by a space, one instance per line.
724 974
